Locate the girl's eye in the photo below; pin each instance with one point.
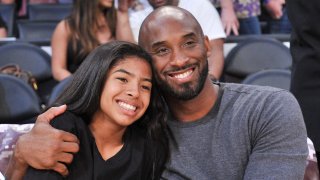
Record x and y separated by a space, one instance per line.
146 88
122 79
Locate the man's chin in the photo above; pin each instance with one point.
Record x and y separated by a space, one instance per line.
183 92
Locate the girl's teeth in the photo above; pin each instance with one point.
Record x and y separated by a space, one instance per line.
127 106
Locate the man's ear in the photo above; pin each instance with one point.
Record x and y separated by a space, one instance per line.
207 45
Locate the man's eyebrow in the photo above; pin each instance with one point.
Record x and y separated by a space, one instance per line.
192 34
131 74
159 43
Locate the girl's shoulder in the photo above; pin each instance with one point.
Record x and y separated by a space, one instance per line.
68 121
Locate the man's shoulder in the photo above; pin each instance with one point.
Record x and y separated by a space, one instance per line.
244 88
254 93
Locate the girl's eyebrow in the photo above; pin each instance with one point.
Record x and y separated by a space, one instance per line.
123 71
131 74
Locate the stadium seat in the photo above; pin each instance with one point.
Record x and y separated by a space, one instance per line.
36 30
279 78
48 12
254 55
58 89
33 59
19 103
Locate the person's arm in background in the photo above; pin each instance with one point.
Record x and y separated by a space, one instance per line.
228 17
43 147
3 32
216 58
123 28
59 45
274 7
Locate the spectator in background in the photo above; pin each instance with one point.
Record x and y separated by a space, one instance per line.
208 18
305 50
21 6
278 22
3 30
247 12
228 17
43 1
91 23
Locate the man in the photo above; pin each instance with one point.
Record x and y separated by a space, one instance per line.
305 50
220 131
208 18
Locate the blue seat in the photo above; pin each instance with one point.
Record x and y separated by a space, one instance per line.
48 12
279 78
58 89
18 101
254 55
36 31
33 59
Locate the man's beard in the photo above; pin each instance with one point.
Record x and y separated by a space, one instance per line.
187 92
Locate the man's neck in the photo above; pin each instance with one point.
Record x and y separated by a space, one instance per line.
196 108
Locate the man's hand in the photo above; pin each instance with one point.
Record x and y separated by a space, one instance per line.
45 147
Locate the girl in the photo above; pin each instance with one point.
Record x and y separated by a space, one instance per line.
91 23
122 132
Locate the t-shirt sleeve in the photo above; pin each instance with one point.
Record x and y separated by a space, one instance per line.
279 140
34 174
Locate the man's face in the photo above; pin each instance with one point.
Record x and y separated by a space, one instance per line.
179 53
158 3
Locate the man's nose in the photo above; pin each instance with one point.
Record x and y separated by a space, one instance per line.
179 58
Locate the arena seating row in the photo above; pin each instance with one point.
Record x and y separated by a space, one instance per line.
42 20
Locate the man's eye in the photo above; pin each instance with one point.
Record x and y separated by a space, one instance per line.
162 51
189 44
122 79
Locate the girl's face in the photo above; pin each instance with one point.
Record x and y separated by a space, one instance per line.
126 93
106 3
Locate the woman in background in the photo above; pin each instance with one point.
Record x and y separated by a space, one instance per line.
91 23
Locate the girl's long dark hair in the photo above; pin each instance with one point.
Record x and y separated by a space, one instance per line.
82 96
